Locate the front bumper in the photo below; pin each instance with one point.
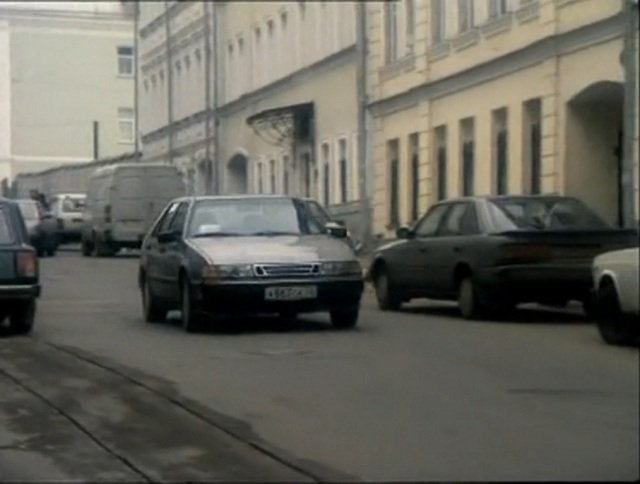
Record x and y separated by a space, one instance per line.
249 297
19 291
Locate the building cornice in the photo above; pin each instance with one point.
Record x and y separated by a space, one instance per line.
529 56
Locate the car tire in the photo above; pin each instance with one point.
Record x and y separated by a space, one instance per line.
611 323
191 319
386 295
468 301
22 317
153 310
86 248
345 318
102 248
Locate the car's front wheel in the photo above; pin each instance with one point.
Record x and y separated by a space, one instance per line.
386 293
613 327
22 317
154 311
345 318
191 319
468 300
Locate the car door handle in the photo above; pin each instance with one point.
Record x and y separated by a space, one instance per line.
162 249
423 250
457 249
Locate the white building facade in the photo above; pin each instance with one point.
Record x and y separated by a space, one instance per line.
67 74
285 96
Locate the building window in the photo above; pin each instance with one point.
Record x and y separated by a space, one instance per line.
272 171
326 174
125 61
410 23
502 162
260 181
343 167
393 153
285 175
498 8
391 31
440 143
126 125
273 66
468 156
532 116
465 15
414 157
536 158
257 56
438 21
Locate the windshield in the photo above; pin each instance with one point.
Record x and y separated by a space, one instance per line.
73 204
5 229
251 216
551 213
29 209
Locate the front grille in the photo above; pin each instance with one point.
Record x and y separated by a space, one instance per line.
286 270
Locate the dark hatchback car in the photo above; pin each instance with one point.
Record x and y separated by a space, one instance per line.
212 256
492 253
19 277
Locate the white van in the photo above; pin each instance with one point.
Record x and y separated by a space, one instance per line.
123 201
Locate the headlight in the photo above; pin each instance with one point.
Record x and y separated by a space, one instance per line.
217 272
345 268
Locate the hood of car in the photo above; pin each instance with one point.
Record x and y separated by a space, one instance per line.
276 249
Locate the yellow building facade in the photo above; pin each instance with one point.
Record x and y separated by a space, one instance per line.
494 97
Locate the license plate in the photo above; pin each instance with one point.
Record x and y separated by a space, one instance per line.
294 293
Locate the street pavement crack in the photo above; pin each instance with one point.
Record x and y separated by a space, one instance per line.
323 475
75 424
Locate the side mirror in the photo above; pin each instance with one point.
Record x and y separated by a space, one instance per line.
47 216
404 232
168 237
335 230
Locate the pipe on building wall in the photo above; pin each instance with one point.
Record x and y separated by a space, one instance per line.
207 98
363 132
168 45
630 127
217 179
136 79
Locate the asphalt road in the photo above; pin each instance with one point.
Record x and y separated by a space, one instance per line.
418 395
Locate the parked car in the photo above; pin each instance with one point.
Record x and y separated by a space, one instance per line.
41 226
19 276
123 201
616 285
68 208
492 253
247 255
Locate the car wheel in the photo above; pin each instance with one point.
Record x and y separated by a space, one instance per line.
22 317
611 323
386 294
87 248
345 318
468 301
191 320
154 311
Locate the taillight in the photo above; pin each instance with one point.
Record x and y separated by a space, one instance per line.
107 213
27 263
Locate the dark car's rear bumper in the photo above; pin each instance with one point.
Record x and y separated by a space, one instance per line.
249 298
19 291
536 283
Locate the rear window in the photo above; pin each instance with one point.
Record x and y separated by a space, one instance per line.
6 235
553 213
29 209
73 204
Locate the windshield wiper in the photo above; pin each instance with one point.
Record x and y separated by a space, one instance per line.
270 233
217 234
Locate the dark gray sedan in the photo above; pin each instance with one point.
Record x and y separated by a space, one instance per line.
492 253
214 256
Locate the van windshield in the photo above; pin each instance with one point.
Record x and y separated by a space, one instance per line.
73 204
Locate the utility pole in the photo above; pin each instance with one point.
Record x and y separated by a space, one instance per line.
136 78
216 104
207 98
361 89
167 30
630 127
96 140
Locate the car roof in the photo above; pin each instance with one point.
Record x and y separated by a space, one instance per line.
471 198
235 197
